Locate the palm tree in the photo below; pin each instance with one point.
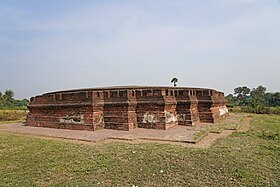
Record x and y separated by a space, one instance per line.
174 81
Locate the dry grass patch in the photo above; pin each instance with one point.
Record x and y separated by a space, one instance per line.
12 115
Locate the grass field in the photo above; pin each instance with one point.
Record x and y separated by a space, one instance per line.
243 159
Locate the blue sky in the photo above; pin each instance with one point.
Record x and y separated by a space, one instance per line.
54 45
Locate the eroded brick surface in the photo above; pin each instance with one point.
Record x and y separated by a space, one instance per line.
126 108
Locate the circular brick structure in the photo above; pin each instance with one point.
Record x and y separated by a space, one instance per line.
126 108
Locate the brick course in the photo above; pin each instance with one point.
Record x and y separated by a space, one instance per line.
126 108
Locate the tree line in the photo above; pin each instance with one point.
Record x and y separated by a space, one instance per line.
7 101
255 100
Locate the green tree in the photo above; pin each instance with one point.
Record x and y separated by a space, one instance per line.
232 100
272 99
21 103
242 95
1 100
276 99
7 100
8 97
258 96
174 81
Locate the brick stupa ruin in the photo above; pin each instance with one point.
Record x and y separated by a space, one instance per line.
126 108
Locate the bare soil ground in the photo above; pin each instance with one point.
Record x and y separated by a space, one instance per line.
186 136
245 126
209 140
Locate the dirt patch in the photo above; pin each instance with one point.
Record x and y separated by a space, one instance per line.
210 139
179 135
245 125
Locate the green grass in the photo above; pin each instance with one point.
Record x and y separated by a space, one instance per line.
200 134
231 122
12 115
243 159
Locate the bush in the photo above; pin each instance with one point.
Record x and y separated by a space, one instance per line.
235 110
13 115
275 110
232 105
256 110
13 108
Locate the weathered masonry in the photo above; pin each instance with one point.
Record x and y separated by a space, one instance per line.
126 108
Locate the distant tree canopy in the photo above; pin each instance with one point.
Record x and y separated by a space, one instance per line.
255 98
242 94
7 100
272 99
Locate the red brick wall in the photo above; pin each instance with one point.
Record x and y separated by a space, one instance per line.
126 108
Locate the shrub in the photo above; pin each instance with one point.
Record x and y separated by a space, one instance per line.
12 115
256 110
275 110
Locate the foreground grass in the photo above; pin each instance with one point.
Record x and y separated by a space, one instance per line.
250 158
12 115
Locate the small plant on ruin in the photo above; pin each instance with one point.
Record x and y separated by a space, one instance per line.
174 81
